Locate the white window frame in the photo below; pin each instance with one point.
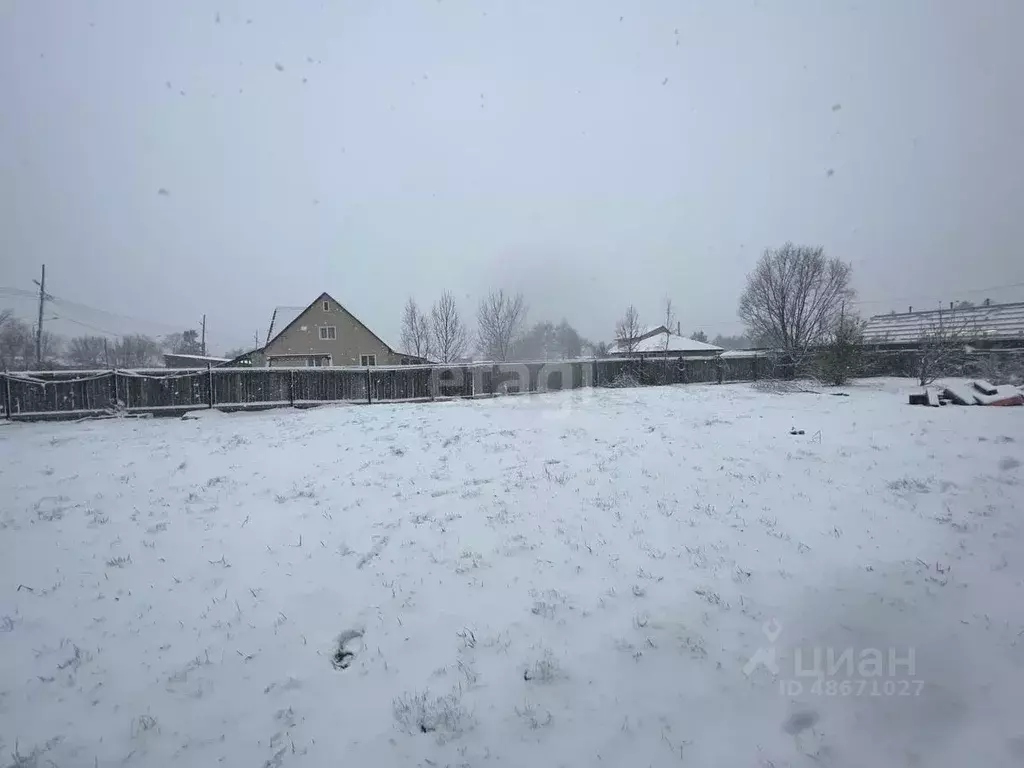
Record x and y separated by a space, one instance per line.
318 361
364 360
327 306
328 332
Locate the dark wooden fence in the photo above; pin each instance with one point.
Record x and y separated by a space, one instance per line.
75 394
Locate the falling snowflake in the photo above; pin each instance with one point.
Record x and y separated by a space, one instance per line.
836 107
279 66
163 192
830 172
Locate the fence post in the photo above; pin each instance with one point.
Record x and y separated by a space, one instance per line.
209 380
7 394
369 398
291 388
682 370
753 367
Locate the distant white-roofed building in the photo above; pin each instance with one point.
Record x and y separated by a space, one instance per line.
990 325
658 340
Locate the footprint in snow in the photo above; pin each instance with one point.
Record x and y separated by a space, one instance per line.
346 648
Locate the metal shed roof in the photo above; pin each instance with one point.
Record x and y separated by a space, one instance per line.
994 322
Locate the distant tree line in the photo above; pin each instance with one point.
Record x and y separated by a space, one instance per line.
502 333
18 348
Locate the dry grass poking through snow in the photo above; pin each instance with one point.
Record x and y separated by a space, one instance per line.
576 579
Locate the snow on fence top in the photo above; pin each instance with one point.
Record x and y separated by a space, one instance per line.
174 360
994 322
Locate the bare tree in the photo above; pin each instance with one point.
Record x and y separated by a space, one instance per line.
51 345
793 298
416 335
547 341
670 321
87 351
628 331
943 346
17 345
699 336
499 319
136 351
841 355
184 343
449 333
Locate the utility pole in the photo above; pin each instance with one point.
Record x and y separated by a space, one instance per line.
204 336
39 328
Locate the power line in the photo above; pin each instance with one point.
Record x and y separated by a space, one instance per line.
86 325
19 292
115 315
932 296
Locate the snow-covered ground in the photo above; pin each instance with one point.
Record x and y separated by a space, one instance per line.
574 579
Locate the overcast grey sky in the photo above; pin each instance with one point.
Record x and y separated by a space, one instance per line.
591 153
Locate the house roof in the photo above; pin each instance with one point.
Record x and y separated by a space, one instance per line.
994 322
675 343
287 312
650 330
281 318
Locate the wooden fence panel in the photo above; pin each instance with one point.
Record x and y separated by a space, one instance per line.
318 385
251 386
400 383
703 371
740 369
146 392
52 393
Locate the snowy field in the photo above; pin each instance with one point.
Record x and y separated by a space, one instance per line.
623 578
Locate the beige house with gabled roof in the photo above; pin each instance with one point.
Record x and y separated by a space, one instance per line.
325 334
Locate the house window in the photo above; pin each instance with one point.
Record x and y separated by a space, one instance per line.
368 360
316 361
327 306
328 333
